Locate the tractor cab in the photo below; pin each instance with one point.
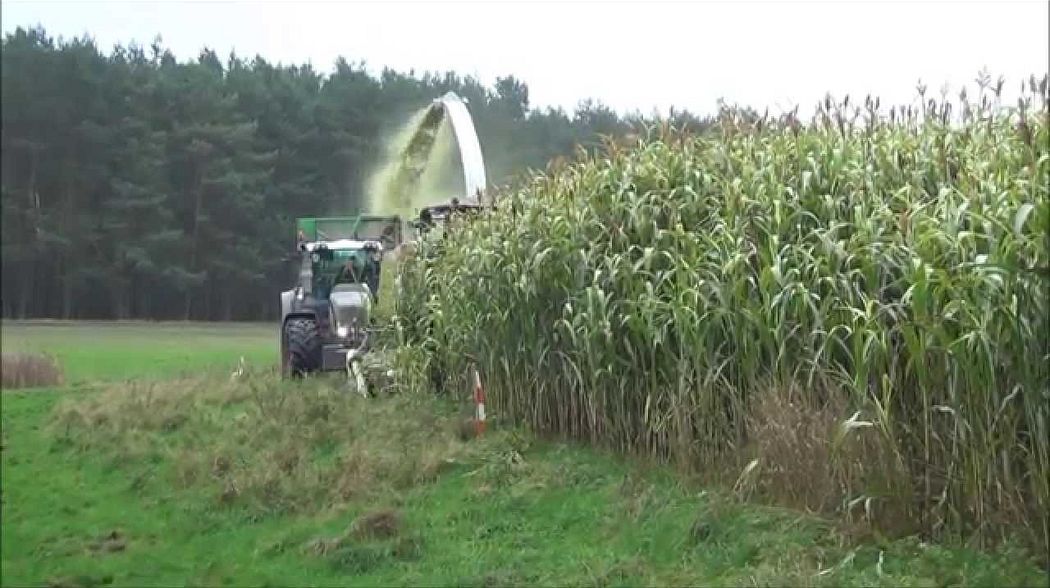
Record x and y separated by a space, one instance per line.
345 251
344 263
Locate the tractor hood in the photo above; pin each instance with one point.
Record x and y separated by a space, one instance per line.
351 308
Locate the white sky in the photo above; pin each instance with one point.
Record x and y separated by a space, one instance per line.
629 54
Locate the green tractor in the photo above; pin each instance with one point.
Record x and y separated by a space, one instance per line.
326 319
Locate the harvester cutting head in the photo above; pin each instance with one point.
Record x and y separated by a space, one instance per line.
438 215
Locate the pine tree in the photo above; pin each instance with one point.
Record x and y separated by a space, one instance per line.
134 185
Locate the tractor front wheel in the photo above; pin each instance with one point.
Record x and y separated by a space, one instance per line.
302 347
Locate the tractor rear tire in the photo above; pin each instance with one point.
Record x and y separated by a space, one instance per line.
303 346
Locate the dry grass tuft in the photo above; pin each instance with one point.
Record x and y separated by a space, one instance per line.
30 370
380 524
111 542
816 456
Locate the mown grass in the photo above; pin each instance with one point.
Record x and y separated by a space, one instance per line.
107 351
204 480
139 493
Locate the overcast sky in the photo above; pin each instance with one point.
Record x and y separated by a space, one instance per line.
630 55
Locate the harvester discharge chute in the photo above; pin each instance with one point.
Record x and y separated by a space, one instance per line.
401 191
326 319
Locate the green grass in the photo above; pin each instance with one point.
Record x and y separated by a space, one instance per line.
122 350
139 459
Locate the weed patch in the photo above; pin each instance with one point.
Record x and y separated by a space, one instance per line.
381 524
263 445
374 540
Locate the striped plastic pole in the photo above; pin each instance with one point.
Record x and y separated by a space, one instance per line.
479 404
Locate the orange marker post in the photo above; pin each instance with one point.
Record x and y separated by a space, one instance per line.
479 404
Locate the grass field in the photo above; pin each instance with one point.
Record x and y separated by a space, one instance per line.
121 350
151 467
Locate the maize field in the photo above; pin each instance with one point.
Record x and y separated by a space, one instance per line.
891 265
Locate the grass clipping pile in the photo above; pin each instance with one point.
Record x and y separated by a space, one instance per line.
263 445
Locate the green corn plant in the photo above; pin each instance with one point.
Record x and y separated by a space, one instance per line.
895 264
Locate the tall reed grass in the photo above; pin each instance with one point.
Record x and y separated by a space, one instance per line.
29 370
892 264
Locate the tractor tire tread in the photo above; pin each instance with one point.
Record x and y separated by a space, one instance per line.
303 346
